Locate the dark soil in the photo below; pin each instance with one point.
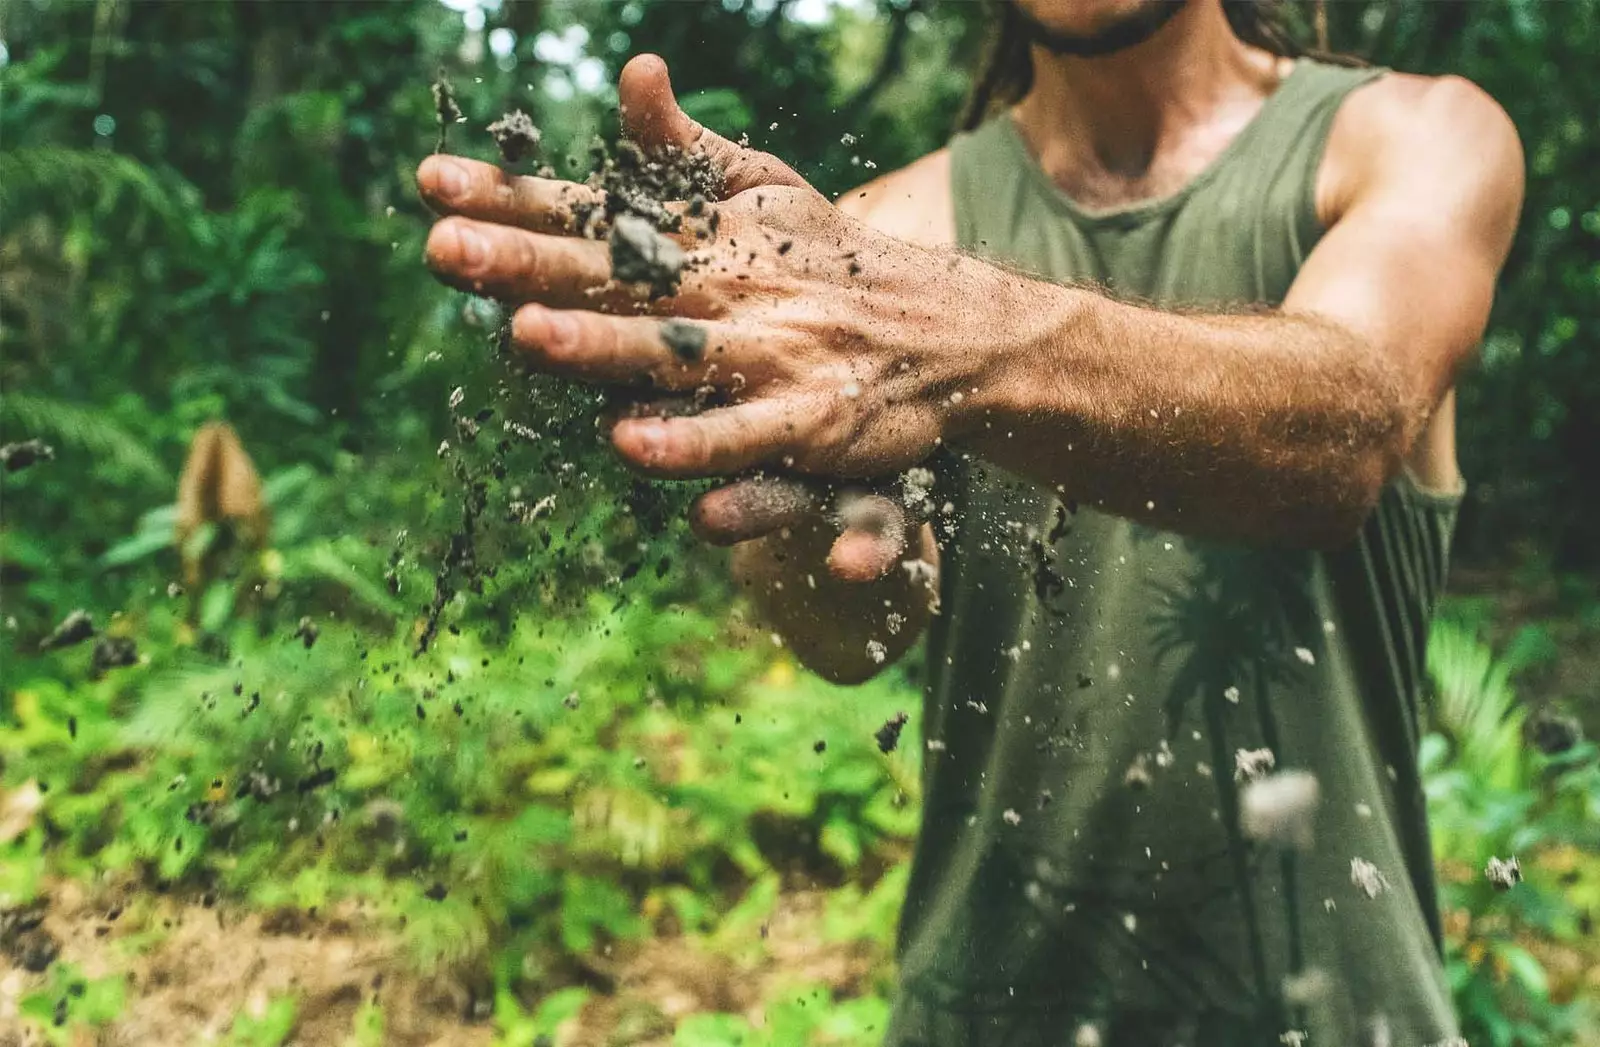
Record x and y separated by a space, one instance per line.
641 255
516 136
888 736
113 652
74 629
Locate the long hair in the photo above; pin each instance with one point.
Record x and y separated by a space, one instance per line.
1007 70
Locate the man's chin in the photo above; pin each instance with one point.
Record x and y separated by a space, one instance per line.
1128 30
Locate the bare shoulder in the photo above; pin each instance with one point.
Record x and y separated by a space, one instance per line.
1441 138
912 203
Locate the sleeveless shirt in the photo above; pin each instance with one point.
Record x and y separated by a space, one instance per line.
1171 792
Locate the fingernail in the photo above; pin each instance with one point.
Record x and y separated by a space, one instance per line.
450 181
471 247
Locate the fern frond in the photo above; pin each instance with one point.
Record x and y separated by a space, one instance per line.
90 174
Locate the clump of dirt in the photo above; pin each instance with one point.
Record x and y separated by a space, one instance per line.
24 939
18 456
1503 875
1552 732
113 652
645 184
446 111
888 736
640 255
516 136
73 630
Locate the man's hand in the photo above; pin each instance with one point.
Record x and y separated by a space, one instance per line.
825 349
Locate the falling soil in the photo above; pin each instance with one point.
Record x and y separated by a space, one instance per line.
19 456
446 111
113 652
888 736
1503 875
73 630
515 135
640 255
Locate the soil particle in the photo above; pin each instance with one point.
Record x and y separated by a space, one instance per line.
1552 733
1280 808
24 939
888 736
74 629
19 456
113 652
1251 764
1366 876
686 340
516 136
641 255
1504 875
820 746
445 109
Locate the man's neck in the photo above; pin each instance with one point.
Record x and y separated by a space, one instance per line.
1142 117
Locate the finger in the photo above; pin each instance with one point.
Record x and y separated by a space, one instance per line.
652 117
672 354
753 508
501 262
872 539
720 442
456 185
861 556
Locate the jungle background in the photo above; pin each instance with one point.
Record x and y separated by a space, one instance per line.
602 807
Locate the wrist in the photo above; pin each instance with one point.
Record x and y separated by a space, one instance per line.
1013 357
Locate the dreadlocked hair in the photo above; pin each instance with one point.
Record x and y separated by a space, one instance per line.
1007 70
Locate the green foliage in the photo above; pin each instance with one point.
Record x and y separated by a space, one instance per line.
270 1028
1491 795
69 1003
210 214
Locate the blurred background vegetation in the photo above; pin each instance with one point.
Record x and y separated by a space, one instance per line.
602 807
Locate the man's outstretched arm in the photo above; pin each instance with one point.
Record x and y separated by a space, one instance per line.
1280 427
847 353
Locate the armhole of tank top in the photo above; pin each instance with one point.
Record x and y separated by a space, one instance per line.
961 191
1321 126
1436 498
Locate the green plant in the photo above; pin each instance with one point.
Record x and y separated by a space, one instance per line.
69 1002
1491 795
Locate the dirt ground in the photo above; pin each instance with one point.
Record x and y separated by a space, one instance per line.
191 969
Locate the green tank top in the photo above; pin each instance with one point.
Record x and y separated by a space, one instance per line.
1094 865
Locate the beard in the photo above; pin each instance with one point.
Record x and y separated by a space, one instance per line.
1128 31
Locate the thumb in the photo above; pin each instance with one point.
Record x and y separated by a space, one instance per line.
872 538
652 117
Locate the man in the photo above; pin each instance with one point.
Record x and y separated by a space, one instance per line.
1193 437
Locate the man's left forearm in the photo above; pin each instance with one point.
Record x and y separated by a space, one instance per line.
1269 428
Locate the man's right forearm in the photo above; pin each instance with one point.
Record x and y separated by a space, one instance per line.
846 632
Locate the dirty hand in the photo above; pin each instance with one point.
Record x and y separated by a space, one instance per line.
829 350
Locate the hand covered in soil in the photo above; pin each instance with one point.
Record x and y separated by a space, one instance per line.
813 344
